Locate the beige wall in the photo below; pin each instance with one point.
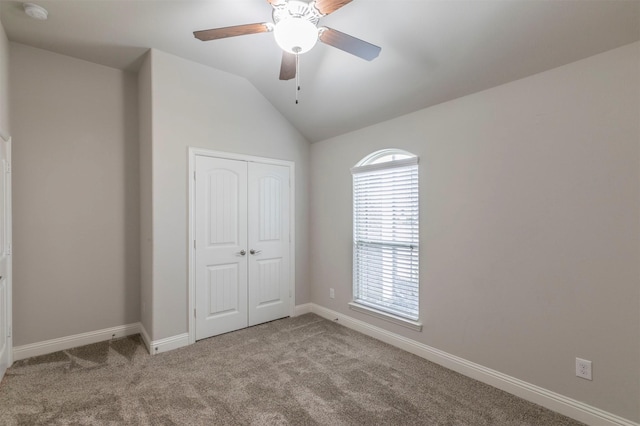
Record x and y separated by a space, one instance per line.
76 196
146 185
4 80
529 208
529 226
194 105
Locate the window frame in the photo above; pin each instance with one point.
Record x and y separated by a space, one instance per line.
369 165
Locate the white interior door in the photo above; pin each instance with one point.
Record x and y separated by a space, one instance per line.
6 357
242 244
220 246
268 242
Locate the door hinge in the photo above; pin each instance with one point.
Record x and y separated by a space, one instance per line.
194 243
9 250
8 169
194 313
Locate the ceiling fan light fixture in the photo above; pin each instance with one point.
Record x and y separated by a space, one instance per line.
295 35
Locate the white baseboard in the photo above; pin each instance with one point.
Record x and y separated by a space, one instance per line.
554 401
153 346
145 337
163 345
302 309
68 342
168 343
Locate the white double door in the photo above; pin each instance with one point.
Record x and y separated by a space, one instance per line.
242 247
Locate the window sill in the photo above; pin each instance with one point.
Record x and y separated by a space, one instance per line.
413 325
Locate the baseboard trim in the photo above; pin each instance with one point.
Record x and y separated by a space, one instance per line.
302 309
554 401
68 342
163 345
168 343
145 337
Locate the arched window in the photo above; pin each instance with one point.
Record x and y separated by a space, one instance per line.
385 234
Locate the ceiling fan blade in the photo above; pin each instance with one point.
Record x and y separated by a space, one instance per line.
237 30
325 7
349 44
288 67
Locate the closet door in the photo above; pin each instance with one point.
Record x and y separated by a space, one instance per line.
220 246
269 257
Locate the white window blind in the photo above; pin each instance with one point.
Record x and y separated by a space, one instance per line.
385 208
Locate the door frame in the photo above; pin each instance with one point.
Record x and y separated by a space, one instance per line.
5 139
191 295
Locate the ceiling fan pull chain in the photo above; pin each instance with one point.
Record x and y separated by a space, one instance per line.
297 76
297 50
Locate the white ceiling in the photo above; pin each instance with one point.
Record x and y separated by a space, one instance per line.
432 51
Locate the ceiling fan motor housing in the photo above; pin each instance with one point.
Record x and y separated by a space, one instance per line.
296 9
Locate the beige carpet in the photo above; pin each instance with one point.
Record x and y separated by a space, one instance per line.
295 371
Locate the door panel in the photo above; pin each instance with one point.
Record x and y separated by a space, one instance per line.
221 236
269 279
269 255
224 291
269 217
5 256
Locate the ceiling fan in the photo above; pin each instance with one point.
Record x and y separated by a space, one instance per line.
295 28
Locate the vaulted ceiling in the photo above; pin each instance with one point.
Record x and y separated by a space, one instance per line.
432 51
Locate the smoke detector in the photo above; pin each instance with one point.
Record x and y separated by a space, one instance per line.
36 12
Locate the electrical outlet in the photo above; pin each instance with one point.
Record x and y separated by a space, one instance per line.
583 368
332 294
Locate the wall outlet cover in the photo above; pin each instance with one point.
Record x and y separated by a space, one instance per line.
583 368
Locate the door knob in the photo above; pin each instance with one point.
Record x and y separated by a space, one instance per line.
241 252
252 251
